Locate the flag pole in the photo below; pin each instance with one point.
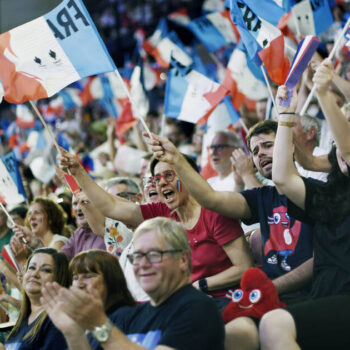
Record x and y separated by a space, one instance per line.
330 57
139 116
269 87
45 125
7 214
162 125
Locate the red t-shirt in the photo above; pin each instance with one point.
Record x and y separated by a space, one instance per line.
206 239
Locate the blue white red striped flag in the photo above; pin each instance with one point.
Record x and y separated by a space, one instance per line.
180 17
306 49
190 95
215 30
241 81
39 58
263 41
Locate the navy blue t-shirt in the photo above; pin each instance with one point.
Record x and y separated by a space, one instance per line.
187 320
286 242
48 337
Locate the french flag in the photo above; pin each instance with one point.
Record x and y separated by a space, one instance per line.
169 46
11 165
215 30
190 95
312 17
263 41
8 188
241 81
24 117
180 17
41 57
160 32
306 49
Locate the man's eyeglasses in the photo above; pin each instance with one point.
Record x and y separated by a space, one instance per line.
153 256
219 148
126 195
167 175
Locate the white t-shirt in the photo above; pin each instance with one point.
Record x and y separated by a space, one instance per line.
226 184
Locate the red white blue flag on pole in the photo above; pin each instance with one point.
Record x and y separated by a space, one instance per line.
41 57
215 30
190 95
263 41
306 49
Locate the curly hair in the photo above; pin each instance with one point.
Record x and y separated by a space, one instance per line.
331 203
56 217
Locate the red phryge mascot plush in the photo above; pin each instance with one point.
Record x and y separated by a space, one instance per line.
257 296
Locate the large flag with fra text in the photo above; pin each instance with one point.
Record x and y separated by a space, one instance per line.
41 57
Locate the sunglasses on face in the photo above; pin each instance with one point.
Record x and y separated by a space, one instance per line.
167 175
126 195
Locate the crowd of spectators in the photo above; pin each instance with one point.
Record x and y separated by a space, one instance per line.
162 228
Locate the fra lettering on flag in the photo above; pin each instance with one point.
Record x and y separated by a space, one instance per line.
215 30
263 41
41 57
190 95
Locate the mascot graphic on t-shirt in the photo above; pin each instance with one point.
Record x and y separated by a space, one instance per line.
283 238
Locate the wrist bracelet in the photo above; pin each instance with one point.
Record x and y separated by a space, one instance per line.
288 124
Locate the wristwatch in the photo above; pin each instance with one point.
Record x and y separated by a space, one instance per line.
102 333
203 285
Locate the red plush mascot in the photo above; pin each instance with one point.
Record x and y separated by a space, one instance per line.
257 296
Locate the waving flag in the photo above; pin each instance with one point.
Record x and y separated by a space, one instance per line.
39 58
215 30
305 51
213 5
313 16
161 31
261 39
169 46
190 95
241 81
180 17
8 189
24 117
11 165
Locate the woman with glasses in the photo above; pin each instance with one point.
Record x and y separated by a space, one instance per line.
220 253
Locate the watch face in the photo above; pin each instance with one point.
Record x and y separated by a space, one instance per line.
101 334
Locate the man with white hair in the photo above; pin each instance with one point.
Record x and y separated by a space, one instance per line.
306 139
220 151
177 316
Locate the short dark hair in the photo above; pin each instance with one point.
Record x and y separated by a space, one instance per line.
155 161
263 127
